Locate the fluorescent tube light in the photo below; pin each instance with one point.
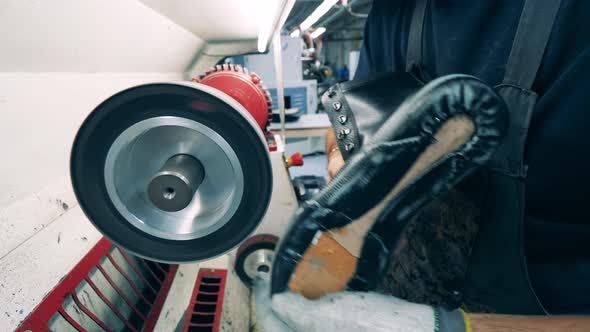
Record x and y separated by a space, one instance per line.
317 32
317 14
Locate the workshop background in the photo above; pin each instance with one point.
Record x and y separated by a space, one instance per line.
60 60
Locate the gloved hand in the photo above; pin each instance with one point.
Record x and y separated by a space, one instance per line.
265 320
359 312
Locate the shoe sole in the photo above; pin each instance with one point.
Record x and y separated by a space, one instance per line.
330 262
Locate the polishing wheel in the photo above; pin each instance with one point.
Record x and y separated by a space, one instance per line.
254 258
174 172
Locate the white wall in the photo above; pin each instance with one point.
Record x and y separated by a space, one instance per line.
228 19
58 60
91 36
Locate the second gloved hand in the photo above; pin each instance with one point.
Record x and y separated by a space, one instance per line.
363 312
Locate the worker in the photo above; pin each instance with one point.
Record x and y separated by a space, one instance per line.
498 42
343 73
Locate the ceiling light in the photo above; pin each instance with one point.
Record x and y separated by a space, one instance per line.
317 14
296 33
317 32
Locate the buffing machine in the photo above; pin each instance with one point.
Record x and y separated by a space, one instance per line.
178 172
172 174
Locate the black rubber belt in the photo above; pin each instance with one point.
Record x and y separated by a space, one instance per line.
131 106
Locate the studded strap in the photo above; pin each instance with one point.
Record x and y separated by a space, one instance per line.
342 119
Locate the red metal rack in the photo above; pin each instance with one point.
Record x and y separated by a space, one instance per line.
108 290
204 311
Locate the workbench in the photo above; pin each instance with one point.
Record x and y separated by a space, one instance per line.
308 125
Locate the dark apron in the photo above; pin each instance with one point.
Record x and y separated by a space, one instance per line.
497 276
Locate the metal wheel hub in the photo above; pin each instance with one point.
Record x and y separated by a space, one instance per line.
139 153
258 263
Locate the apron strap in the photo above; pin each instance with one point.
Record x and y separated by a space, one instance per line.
528 48
414 50
530 41
498 275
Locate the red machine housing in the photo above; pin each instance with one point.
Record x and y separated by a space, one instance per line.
246 88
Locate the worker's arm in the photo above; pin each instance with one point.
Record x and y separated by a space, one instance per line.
363 312
335 160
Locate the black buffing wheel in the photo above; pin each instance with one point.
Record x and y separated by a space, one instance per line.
174 172
254 258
